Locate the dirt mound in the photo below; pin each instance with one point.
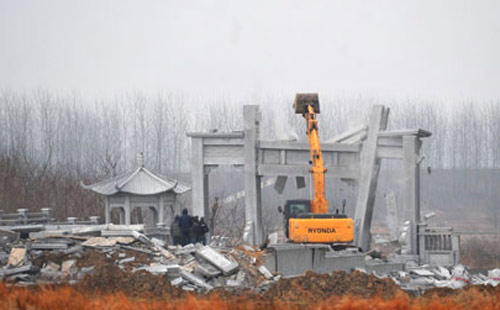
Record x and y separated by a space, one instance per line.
314 287
109 278
444 291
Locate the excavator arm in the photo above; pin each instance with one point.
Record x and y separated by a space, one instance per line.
308 106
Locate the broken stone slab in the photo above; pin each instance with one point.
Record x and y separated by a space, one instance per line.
22 277
126 260
493 277
51 267
50 276
233 283
154 269
68 267
145 251
7 272
49 233
442 273
117 233
165 253
49 246
17 257
187 249
189 267
422 272
73 250
195 280
186 259
8 237
207 270
265 272
218 260
177 281
94 230
142 238
157 242
123 240
99 242
189 288
240 276
26 229
87 270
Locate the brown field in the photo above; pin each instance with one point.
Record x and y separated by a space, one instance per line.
66 297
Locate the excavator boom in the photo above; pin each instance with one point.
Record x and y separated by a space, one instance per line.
309 221
308 106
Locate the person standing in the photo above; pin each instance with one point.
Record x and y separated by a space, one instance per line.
185 224
175 231
203 229
195 230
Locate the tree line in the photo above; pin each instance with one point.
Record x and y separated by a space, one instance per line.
50 142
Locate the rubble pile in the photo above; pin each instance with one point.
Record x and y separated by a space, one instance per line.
123 259
426 277
135 264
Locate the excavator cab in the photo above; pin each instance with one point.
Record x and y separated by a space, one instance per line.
303 226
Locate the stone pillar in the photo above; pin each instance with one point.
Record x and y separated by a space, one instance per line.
199 178
161 212
411 188
253 203
107 210
367 185
127 210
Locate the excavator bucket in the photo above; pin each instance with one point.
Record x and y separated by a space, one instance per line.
303 100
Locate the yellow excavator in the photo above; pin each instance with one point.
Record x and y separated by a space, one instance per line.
308 221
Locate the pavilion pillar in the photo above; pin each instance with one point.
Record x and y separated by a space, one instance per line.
127 210
161 212
107 211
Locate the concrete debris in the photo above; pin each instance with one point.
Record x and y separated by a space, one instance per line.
207 270
494 277
49 246
142 238
68 267
265 272
177 281
52 267
126 260
198 281
422 272
218 260
99 242
17 257
233 283
158 242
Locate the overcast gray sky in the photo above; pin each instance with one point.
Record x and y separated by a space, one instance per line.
393 48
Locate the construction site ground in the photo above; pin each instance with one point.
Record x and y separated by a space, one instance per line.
78 270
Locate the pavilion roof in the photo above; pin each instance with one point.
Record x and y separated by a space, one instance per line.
139 182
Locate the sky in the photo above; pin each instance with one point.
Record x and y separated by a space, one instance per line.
445 49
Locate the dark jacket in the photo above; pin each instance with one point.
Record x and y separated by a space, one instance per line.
185 223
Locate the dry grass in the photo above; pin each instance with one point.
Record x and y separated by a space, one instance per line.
46 298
